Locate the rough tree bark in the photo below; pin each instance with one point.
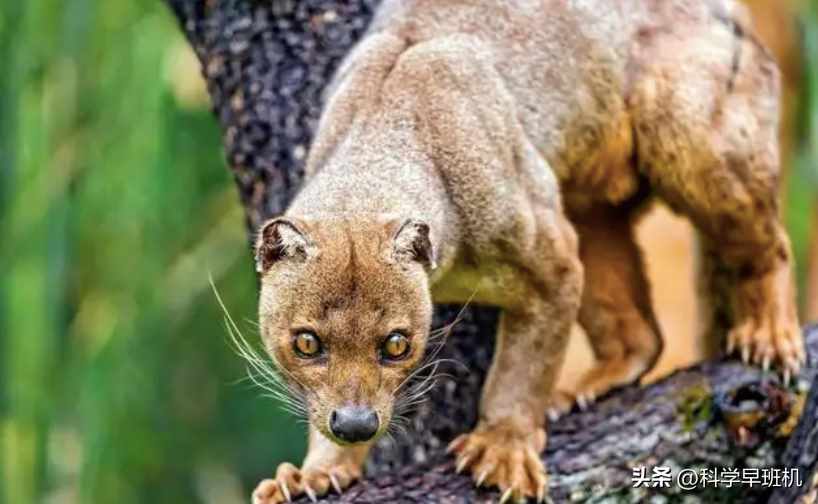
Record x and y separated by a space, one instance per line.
266 64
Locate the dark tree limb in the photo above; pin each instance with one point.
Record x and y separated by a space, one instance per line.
266 63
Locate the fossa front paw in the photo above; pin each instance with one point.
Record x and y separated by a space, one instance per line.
291 482
501 457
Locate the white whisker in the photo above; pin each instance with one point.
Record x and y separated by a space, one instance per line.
263 370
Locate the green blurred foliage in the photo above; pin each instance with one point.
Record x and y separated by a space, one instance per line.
117 383
802 190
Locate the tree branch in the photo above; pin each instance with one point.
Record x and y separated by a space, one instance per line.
266 64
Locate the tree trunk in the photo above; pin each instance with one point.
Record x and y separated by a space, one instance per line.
266 64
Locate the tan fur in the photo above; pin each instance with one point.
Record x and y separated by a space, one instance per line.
616 310
477 128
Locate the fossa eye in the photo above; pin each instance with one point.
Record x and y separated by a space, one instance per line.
307 345
395 347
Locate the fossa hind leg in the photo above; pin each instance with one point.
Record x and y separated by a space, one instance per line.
706 125
616 311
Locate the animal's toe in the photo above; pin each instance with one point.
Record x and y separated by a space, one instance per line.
265 491
337 478
536 471
457 443
527 477
315 483
739 340
788 343
345 475
288 478
560 404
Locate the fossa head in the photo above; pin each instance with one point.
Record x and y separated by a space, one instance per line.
345 311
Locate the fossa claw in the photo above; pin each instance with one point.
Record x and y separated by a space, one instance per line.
765 364
462 462
285 490
335 485
310 492
456 444
584 402
745 354
482 478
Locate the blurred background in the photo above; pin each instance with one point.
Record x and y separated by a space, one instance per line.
117 381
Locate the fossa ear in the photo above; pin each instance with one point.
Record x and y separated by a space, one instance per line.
281 238
412 243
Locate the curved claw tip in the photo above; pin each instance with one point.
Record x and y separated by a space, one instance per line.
286 491
310 493
461 464
455 444
506 496
482 478
335 485
582 402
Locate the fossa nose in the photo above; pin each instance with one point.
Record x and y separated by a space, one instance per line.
354 424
